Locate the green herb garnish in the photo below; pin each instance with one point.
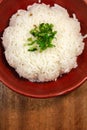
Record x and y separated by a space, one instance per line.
42 37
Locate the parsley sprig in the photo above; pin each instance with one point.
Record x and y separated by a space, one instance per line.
42 37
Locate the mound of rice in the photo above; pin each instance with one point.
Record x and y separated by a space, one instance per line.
51 63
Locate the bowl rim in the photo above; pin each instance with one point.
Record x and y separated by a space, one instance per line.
45 95
67 90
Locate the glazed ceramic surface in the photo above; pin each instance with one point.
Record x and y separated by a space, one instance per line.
64 84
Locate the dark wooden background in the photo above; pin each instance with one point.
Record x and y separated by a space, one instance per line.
67 112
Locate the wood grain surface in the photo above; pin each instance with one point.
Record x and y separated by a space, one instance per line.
67 112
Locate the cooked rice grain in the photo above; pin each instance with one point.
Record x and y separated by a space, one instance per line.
52 62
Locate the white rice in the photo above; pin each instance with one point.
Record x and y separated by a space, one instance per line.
52 62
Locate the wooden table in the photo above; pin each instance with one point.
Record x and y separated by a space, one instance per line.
67 112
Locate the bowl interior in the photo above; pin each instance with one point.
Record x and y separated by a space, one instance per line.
64 84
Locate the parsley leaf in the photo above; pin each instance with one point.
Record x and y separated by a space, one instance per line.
42 37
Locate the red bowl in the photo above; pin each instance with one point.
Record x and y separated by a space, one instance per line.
64 84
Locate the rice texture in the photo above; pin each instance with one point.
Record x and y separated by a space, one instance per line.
51 63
